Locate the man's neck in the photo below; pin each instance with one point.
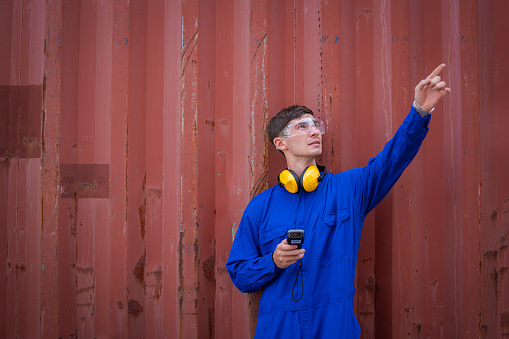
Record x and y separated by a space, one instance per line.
298 166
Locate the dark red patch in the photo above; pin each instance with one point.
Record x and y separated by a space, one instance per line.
84 180
20 121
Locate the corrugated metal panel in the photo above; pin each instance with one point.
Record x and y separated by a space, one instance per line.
132 138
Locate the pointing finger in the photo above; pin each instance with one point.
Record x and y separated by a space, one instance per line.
436 72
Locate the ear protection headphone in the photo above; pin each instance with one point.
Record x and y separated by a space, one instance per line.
308 181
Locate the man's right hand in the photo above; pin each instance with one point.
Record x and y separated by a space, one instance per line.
285 254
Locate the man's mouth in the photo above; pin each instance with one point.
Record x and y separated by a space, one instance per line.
315 143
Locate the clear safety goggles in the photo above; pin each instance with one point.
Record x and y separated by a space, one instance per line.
303 127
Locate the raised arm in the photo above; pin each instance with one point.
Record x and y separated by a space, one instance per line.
382 171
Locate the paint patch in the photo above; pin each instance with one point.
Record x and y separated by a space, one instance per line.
234 231
84 181
20 121
122 42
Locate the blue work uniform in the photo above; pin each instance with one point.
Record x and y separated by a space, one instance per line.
332 217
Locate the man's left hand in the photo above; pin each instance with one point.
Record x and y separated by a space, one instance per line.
431 90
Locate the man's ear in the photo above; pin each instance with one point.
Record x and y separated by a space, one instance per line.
280 144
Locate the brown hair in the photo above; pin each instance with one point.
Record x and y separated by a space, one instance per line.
278 122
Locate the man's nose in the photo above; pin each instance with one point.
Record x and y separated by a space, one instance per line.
314 130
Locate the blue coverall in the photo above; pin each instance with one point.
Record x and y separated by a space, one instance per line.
332 217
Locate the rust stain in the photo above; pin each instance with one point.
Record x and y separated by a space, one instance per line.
85 289
21 268
73 212
142 210
154 283
253 299
211 319
208 268
30 144
211 123
139 268
504 323
155 192
221 270
434 284
417 329
491 254
134 307
83 270
371 288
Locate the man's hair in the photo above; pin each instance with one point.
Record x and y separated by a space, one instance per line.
278 122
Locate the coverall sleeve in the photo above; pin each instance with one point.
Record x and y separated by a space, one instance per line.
249 270
376 179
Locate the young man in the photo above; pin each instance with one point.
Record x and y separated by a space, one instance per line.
308 292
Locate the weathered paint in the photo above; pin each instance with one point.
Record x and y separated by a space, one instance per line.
132 138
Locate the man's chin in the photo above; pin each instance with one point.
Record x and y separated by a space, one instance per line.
317 153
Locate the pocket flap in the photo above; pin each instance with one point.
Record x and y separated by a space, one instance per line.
272 233
333 219
343 214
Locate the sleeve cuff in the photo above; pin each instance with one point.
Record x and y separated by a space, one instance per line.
270 263
420 111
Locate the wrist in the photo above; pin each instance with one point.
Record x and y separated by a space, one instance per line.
423 113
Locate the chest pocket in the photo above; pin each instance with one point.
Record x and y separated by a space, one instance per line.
270 238
339 238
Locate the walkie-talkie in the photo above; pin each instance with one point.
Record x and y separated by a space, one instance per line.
295 237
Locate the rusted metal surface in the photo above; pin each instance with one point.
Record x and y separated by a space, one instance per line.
132 138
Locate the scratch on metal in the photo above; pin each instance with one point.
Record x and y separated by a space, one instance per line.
262 40
184 52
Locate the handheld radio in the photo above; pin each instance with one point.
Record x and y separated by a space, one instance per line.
295 237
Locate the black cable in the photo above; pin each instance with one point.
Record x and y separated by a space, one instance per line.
300 270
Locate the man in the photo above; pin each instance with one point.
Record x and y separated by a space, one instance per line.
314 298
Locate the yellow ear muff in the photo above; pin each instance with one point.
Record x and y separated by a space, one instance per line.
308 181
289 180
310 178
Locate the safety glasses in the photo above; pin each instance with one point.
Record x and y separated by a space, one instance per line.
303 127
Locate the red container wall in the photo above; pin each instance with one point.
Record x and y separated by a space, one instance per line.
132 138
